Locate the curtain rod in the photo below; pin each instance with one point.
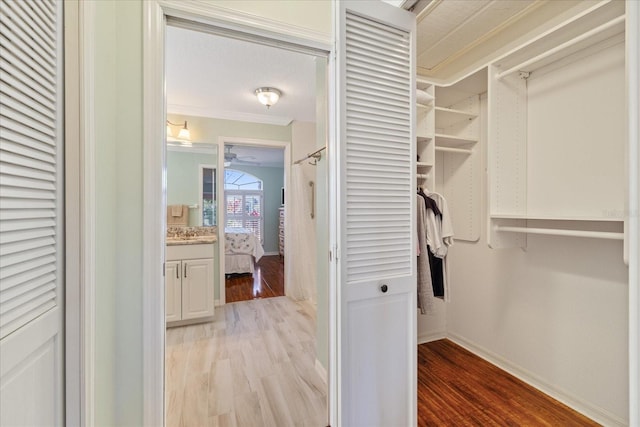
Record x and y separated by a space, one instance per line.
316 155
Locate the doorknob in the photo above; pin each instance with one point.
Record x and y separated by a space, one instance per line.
384 288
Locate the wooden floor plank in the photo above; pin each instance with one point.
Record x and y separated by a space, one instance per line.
458 388
267 281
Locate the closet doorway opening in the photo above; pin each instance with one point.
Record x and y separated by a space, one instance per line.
248 362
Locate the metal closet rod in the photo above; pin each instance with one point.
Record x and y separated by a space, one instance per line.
562 46
316 155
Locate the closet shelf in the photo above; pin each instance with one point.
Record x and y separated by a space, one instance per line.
424 165
424 138
452 141
564 48
446 117
426 106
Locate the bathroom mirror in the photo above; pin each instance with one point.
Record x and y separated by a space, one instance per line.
191 180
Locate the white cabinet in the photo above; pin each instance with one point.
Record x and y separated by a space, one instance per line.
189 282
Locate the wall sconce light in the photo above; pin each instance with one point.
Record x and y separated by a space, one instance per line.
184 133
268 96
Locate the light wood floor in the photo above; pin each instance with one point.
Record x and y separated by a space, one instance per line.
253 366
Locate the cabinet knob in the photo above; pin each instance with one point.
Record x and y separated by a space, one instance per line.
384 288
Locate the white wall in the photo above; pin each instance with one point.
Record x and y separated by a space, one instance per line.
310 15
554 313
302 241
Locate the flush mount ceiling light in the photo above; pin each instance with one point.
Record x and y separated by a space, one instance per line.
184 133
268 95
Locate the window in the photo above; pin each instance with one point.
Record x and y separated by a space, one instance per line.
243 201
208 195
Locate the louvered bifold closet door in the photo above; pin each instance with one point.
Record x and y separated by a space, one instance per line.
377 280
30 212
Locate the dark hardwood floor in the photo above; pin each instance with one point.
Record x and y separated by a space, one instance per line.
267 281
458 388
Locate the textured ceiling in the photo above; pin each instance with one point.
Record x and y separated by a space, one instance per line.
449 28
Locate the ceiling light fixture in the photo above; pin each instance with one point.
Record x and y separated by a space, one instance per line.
184 133
268 95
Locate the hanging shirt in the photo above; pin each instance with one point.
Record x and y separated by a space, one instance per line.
425 291
439 239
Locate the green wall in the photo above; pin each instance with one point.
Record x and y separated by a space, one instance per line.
117 100
273 181
183 176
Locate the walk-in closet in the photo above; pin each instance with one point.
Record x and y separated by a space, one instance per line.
528 150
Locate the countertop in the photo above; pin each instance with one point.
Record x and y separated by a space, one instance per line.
200 240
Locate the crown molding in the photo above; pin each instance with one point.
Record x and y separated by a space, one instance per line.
186 110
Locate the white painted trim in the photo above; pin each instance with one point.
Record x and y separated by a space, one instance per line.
185 110
595 413
633 220
80 213
74 376
154 200
215 15
154 189
320 369
332 169
286 145
271 253
431 336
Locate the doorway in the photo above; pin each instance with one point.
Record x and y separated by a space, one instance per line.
204 376
253 184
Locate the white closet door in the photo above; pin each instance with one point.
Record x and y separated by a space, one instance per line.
377 286
31 388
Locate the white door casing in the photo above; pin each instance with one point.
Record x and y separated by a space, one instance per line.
249 26
31 214
376 242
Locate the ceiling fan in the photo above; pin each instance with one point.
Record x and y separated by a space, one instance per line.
232 158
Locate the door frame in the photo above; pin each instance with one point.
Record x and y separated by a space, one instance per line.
246 26
252 142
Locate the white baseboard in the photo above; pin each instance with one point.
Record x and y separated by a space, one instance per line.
431 336
271 253
595 413
321 371
216 303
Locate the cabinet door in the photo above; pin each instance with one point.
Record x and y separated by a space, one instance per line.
197 288
173 289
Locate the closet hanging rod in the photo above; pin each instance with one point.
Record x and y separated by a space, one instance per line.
454 150
422 175
557 232
316 155
562 46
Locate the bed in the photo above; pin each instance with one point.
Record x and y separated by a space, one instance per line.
242 250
